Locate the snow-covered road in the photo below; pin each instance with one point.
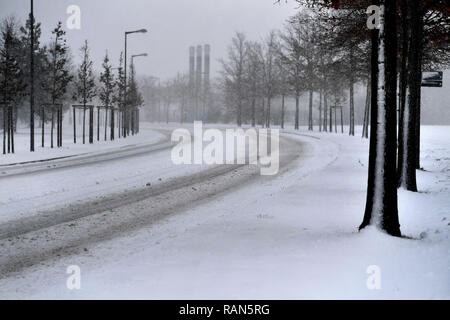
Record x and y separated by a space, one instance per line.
227 232
53 208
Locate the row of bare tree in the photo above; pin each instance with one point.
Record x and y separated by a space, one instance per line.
55 83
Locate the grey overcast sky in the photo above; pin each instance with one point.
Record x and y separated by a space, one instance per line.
173 26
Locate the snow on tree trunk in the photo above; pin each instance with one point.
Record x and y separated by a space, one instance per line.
407 160
381 203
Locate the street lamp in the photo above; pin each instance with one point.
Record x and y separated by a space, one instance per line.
138 55
125 76
31 77
135 115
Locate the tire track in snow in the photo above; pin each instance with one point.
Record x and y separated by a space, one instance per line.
84 159
42 238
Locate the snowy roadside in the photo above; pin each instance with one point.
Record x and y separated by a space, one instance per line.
292 236
22 145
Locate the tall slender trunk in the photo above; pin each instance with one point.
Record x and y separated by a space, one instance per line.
320 110
58 123
419 81
297 98
408 148
42 125
282 111
325 112
310 117
11 128
253 111
331 119
263 118
106 122
4 128
239 114
84 124
365 131
119 121
91 124
52 127
403 82
98 123
268 112
381 203
112 124
74 126
32 78
351 130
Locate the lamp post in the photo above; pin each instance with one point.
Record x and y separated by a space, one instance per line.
31 78
135 113
138 55
126 128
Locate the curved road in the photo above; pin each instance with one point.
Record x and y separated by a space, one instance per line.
30 239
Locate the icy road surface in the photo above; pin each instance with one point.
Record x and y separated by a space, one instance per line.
220 232
54 208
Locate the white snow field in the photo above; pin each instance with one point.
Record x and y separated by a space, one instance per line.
215 232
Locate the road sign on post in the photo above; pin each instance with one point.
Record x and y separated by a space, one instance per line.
432 79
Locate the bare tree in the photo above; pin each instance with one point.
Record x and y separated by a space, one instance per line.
253 76
291 55
12 79
85 83
234 72
106 92
270 71
57 77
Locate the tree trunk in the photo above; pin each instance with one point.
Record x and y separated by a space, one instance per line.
320 110
403 83
112 124
74 126
351 130
84 124
310 117
296 126
119 121
268 112
11 128
365 131
106 123
91 124
282 111
4 129
325 112
263 113
42 125
32 79
253 111
407 160
419 81
239 114
57 127
98 123
381 203
52 127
